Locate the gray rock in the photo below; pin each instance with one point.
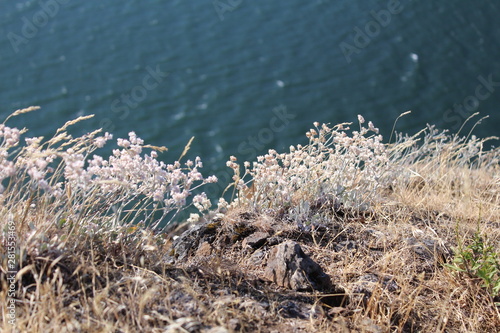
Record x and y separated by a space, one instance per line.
427 249
366 284
291 309
289 267
256 240
257 257
345 245
190 240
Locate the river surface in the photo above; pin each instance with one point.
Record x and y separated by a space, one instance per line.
245 76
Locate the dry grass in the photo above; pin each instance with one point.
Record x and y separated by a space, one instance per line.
383 234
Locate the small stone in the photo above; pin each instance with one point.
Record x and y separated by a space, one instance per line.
289 267
427 249
257 257
345 245
204 250
291 309
234 324
256 240
190 240
366 284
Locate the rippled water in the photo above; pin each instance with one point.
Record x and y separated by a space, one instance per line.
224 71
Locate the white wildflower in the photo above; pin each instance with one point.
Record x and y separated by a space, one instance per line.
193 218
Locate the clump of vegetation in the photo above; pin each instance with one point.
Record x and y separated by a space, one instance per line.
62 183
354 170
380 219
338 168
334 164
479 260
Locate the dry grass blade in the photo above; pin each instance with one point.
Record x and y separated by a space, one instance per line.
21 111
186 149
394 126
72 122
161 149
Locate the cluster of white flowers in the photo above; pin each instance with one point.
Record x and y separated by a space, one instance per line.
9 138
347 168
70 173
127 171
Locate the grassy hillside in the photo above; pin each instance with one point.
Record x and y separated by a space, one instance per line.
407 234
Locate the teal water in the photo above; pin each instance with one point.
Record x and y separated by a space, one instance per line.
245 76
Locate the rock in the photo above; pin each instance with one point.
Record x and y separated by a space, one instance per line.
289 267
257 258
345 245
204 250
234 324
190 240
274 240
366 285
256 240
427 249
291 309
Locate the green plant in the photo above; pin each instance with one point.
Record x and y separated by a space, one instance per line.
479 259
